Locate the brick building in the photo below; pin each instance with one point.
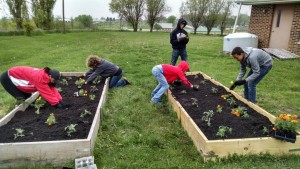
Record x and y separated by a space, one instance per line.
276 23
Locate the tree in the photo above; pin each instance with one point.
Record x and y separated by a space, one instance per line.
213 14
225 13
157 26
42 13
243 19
171 19
15 8
86 20
130 10
182 10
195 10
155 10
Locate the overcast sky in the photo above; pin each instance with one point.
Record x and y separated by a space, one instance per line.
100 8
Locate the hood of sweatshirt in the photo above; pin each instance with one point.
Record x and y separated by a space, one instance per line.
247 51
181 21
184 66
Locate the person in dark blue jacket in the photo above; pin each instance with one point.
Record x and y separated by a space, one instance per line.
179 38
101 67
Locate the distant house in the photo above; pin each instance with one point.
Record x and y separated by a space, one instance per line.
202 29
276 23
166 26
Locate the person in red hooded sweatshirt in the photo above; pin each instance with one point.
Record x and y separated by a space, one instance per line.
166 74
22 81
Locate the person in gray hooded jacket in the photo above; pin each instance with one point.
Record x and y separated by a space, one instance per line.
259 62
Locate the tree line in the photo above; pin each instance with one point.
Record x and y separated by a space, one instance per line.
208 13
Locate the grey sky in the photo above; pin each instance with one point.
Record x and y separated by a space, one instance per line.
100 8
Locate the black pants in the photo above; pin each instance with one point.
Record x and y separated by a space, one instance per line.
11 88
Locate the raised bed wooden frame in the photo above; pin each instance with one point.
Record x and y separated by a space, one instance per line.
210 149
58 152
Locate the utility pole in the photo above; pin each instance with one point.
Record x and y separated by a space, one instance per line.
63 13
236 19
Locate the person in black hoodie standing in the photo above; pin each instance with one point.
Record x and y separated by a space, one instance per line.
179 38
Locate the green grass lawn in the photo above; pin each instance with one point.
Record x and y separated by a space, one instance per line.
133 132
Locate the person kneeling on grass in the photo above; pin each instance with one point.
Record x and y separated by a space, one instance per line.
165 74
259 62
104 68
22 81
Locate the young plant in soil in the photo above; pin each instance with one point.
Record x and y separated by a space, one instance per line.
223 130
225 96
196 77
265 130
93 89
194 102
231 101
82 92
219 108
92 97
59 89
97 80
85 113
70 129
39 102
214 90
240 111
51 119
79 83
19 133
207 117
203 82
64 82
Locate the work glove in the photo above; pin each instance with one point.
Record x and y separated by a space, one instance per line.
232 87
239 82
61 105
185 39
195 87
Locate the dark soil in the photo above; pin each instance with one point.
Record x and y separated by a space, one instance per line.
37 130
207 100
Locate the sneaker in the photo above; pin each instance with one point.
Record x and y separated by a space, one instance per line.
126 81
155 102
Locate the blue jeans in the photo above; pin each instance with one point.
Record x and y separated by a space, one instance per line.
250 87
176 53
116 82
162 84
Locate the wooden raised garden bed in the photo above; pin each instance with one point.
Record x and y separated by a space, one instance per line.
51 149
190 106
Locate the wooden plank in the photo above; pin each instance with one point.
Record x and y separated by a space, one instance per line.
96 122
50 151
210 149
174 103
